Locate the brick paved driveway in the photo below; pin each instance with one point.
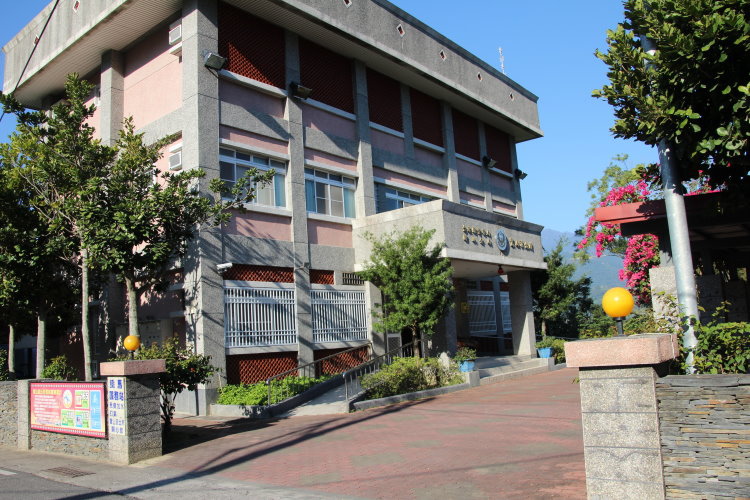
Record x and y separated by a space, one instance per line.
515 439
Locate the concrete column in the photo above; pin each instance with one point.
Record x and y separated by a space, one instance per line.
133 409
449 158
297 199
365 195
203 285
407 122
619 413
22 405
112 96
485 172
521 314
516 180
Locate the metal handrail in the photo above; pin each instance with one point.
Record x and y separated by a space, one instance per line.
352 387
313 370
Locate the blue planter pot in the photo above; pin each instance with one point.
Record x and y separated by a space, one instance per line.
544 352
466 366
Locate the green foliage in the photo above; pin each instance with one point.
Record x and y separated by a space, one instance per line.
58 368
185 370
410 374
693 92
560 301
257 394
4 375
464 354
557 345
414 280
722 348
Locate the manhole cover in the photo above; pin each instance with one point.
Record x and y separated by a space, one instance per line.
68 471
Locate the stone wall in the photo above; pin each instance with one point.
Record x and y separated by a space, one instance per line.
8 414
705 435
81 446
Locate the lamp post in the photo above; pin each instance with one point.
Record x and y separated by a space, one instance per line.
617 303
131 343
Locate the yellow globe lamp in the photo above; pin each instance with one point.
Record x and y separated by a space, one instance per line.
618 303
131 343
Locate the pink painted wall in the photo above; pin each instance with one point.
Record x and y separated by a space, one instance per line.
408 181
163 163
153 80
251 99
497 205
499 181
329 233
261 225
329 123
388 142
471 197
154 305
329 159
468 170
428 157
94 120
253 140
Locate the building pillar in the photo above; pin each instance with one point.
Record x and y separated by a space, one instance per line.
449 157
365 195
111 96
406 115
619 413
521 313
516 181
203 285
485 171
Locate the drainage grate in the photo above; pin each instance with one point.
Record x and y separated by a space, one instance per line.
68 471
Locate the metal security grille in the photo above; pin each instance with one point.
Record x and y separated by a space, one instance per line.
384 100
328 74
482 320
242 272
320 277
258 317
426 117
505 312
338 315
253 48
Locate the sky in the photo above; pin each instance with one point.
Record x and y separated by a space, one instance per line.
548 48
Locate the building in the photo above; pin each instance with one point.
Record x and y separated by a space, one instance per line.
372 121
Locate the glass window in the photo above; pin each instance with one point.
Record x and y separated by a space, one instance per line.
330 194
392 199
234 164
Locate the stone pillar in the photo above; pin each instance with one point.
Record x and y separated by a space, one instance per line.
133 409
449 157
22 405
619 413
521 313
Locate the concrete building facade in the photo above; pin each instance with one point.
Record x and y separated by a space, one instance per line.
372 121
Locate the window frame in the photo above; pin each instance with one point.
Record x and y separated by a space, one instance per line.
262 162
322 178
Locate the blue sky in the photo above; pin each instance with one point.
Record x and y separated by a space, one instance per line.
549 49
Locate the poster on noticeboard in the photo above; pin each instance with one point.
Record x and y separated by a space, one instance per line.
68 407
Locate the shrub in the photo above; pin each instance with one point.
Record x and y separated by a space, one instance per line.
257 394
4 375
722 348
58 368
557 345
464 354
409 374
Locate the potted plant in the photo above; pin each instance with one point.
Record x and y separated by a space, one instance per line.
547 346
465 357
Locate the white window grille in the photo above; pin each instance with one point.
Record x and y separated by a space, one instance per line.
233 165
505 312
338 315
482 319
328 193
258 317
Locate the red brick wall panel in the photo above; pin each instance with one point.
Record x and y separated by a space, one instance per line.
244 272
384 100
498 147
329 75
251 368
426 116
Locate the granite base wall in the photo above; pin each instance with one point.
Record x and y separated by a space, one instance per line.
704 424
80 446
8 414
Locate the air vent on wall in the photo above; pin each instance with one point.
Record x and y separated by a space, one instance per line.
175 37
175 161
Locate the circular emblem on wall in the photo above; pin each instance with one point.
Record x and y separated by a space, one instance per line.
501 240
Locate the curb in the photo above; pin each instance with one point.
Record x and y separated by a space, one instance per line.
411 396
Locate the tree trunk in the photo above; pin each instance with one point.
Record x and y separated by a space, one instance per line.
85 334
11 352
415 341
41 338
132 306
544 329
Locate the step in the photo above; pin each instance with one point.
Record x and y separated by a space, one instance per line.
491 375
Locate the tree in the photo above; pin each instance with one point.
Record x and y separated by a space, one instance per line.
136 226
414 280
693 92
560 301
56 154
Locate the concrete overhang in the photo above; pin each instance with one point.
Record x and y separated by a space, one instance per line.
366 30
469 234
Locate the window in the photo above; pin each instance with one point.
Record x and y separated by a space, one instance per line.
328 193
392 199
234 164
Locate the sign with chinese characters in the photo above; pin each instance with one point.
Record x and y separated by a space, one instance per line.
116 405
477 235
68 407
484 237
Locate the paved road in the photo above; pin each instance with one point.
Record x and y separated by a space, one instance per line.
15 485
517 439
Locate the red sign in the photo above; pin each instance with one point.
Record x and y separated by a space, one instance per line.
68 407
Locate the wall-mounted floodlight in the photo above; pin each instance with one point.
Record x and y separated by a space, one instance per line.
520 174
213 60
222 268
488 162
300 91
